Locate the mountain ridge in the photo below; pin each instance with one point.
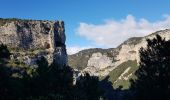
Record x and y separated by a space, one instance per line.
102 62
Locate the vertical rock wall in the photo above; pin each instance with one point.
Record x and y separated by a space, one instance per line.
35 37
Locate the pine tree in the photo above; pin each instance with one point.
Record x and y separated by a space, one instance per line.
87 88
4 72
153 75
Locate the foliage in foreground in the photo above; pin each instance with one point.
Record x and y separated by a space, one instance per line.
46 83
153 75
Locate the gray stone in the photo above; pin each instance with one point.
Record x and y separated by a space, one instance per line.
29 39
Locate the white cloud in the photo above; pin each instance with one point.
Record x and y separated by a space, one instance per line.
75 49
112 33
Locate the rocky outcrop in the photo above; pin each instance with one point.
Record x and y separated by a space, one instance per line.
97 65
31 39
129 50
80 60
97 60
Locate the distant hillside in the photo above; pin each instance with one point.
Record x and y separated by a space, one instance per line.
119 63
79 60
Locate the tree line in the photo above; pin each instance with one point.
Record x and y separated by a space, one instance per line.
49 82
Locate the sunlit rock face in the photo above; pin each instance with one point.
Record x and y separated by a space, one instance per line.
99 61
31 39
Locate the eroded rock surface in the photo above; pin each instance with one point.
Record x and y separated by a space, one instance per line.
31 39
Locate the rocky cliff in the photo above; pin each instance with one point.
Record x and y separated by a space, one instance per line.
119 63
31 39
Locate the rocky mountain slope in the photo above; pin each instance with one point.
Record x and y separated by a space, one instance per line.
119 63
30 39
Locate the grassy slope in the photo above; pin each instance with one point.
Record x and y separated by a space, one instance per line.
114 75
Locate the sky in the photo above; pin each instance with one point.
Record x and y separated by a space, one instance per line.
94 23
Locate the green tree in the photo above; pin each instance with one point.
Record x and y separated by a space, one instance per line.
50 81
4 52
153 75
87 88
4 72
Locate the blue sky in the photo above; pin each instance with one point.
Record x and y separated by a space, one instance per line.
94 23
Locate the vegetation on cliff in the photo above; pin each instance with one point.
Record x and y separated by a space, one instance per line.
151 79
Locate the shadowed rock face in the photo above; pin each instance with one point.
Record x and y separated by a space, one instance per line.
38 37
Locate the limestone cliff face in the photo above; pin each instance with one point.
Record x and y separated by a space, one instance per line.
102 62
30 39
129 50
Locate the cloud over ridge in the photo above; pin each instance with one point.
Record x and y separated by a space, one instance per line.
112 32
